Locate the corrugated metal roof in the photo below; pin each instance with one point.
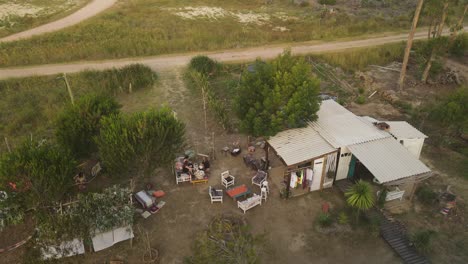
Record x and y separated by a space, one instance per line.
388 160
402 129
341 128
299 144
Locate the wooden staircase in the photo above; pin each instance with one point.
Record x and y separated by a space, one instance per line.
392 231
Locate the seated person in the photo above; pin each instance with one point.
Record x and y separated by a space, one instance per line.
188 166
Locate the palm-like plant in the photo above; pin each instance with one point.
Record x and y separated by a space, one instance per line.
360 197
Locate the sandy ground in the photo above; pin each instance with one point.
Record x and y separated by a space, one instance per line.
90 10
159 63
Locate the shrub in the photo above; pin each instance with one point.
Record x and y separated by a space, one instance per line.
426 195
204 65
79 124
361 99
459 46
422 240
324 220
327 2
277 95
140 142
343 218
382 197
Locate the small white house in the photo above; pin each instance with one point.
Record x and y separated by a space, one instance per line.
339 143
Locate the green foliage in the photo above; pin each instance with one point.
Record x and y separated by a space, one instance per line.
459 46
324 220
343 218
225 241
422 240
452 111
204 65
426 195
359 196
90 213
361 99
117 80
382 197
78 124
277 95
327 2
140 142
42 172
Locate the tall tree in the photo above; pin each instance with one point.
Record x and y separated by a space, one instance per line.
409 43
78 124
38 173
140 142
277 95
440 28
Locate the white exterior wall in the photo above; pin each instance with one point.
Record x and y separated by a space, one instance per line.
343 164
413 145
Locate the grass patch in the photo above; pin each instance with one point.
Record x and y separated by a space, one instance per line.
43 11
359 59
29 106
152 27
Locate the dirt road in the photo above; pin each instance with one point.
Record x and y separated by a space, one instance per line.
90 10
159 63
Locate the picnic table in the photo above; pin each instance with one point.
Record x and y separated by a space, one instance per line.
238 191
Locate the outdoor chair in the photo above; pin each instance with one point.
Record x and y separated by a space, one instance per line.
215 195
227 179
259 178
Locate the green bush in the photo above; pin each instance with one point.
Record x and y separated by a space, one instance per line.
426 195
324 220
343 218
382 197
459 46
204 65
361 99
422 240
78 124
327 2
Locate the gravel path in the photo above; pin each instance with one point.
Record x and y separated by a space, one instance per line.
163 62
88 11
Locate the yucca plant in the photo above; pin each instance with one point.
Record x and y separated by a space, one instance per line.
360 197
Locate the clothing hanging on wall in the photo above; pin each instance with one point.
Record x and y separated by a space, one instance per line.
300 176
304 179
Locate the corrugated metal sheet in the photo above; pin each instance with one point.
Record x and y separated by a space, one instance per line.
388 160
402 129
341 128
300 144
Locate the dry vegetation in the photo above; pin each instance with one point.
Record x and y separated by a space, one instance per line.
151 27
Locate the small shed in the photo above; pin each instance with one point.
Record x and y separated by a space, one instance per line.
411 138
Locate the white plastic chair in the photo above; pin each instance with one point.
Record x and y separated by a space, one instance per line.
227 179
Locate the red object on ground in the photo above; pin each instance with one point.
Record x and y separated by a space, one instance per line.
159 194
325 207
237 191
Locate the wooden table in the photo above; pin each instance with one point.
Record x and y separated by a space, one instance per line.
238 191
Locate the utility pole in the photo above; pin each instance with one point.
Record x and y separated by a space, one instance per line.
70 93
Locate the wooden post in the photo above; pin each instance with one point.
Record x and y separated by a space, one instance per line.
288 184
267 150
213 145
70 93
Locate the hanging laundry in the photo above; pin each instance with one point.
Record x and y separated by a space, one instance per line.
300 175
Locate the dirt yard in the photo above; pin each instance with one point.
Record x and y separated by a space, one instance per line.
288 225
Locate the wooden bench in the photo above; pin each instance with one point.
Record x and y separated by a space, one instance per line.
393 195
250 202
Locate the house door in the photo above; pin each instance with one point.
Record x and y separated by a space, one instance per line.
343 166
352 166
318 170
